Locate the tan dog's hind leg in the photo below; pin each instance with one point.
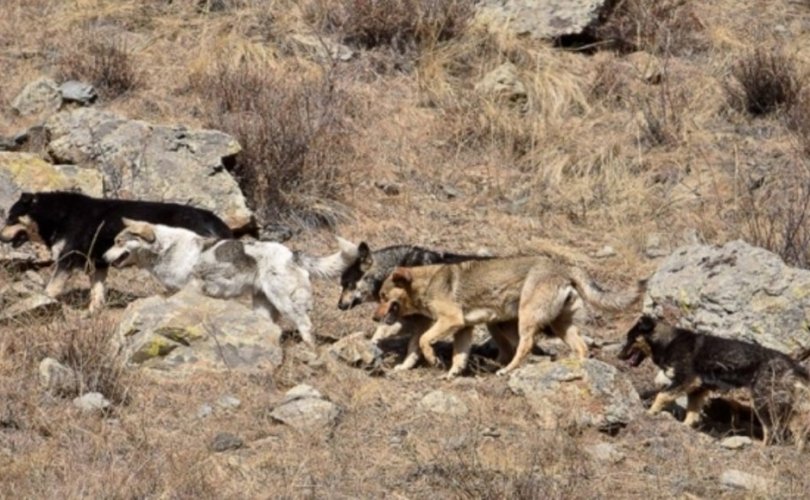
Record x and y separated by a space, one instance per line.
462 342
568 332
97 289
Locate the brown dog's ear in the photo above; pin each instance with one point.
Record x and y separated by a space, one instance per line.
142 229
402 277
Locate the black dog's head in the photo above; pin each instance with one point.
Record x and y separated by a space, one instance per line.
20 226
357 286
638 345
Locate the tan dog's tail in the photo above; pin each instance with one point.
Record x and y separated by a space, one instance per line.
596 296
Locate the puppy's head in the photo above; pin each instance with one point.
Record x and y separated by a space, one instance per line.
356 282
132 245
20 225
637 347
395 297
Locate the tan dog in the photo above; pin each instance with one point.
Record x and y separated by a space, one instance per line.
537 291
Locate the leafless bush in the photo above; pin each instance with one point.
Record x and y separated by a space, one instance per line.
107 64
764 82
403 25
293 137
776 213
656 26
798 120
663 117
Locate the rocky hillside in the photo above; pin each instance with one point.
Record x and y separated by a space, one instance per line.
639 138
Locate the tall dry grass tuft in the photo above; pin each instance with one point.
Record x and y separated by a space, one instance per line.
106 63
655 26
764 82
293 130
402 25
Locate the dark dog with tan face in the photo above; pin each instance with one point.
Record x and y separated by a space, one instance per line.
698 364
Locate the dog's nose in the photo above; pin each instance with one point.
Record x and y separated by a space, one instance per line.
342 306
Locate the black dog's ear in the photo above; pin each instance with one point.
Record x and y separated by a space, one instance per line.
364 256
646 324
27 198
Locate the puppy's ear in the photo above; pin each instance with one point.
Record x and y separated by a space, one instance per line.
402 277
646 324
365 257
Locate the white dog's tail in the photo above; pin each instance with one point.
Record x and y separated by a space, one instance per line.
332 265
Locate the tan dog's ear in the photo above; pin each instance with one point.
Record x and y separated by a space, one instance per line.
142 229
402 277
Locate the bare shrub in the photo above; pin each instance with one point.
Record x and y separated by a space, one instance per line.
403 25
776 213
292 131
656 26
764 82
663 117
798 120
107 64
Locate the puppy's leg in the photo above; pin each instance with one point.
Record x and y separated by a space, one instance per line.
97 289
695 402
462 343
662 399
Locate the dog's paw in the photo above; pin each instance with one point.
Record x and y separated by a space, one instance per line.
502 372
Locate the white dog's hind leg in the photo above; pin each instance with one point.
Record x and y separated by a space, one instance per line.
293 300
265 308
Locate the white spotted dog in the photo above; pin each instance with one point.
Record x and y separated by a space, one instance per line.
277 277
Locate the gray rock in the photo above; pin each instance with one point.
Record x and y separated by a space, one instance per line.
205 410
605 252
443 403
547 19
189 331
40 96
503 83
91 402
225 441
25 301
583 393
304 408
734 291
229 402
78 92
357 350
56 377
734 478
144 161
605 452
736 442
655 247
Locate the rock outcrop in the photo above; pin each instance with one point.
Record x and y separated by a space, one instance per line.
139 160
734 291
189 331
546 18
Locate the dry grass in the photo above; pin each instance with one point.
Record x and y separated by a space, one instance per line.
765 82
107 64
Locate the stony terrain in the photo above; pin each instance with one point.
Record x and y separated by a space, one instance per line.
665 139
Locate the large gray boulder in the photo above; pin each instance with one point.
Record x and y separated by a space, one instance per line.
153 162
734 291
28 172
39 96
189 331
577 393
544 18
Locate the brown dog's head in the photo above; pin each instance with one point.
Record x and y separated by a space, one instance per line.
395 297
638 345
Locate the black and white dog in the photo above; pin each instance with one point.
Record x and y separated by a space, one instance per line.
78 229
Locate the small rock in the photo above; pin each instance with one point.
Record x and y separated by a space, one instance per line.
34 278
37 97
78 92
304 408
736 442
225 441
275 232
356 350
443 403
229 402
734 478
605 252
449 192
91 402
205 410
491 432
605 452
389 188
654 247
34 306
56 377
301 391
322 48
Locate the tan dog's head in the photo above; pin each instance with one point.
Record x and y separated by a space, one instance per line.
638 346
396 298
134 245
21 230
